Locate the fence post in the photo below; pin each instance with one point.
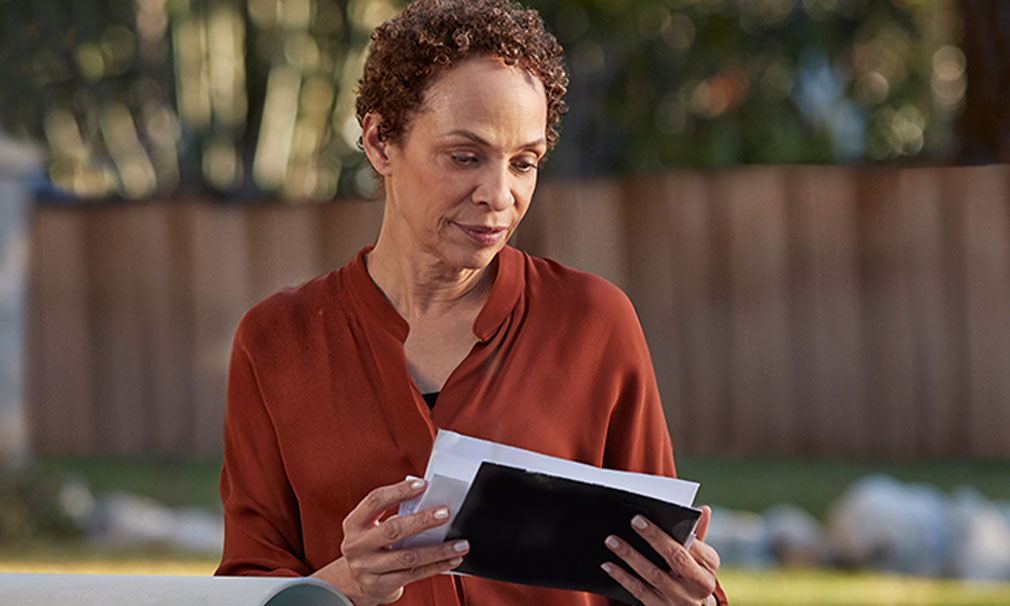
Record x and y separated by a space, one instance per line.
17 163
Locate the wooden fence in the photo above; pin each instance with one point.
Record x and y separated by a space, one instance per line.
789 310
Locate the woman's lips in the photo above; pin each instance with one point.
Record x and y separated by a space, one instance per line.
483 235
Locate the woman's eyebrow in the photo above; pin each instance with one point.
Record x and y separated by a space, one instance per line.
466 134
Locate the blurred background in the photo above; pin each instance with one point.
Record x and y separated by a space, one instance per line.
253 100
808 202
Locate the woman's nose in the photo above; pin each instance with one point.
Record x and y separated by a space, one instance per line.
494 188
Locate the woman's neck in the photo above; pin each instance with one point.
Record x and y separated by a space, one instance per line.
418 286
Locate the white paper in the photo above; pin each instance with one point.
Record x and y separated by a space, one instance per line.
157 590
455 459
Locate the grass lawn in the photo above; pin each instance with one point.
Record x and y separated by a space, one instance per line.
107 564
830 588
171 481
756 484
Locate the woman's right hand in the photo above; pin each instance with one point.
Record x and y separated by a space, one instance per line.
371 572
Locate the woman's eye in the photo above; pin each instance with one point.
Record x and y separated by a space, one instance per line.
524 166
464 159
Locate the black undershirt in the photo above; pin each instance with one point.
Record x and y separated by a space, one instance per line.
429 399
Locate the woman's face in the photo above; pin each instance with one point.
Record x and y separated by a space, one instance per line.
462 176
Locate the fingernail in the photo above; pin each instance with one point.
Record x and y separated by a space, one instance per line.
639 522
441 513
461 546
606 567
417 485
456 561
612 542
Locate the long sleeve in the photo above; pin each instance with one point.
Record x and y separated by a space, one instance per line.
637 434
262 531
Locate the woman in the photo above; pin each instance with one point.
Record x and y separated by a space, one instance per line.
337 387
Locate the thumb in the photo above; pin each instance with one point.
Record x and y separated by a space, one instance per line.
702 528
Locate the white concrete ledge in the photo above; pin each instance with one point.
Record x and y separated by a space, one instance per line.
149 590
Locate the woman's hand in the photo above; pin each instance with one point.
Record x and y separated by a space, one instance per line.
690 579
371 572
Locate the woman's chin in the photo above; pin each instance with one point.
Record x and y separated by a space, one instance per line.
473 258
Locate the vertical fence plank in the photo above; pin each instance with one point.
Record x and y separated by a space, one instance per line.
760 364
344 227
164 322
830 406
221 294
35 384
116 348
697 258
582 225
650 282
530 235
888 326
284 247
60 377
986 208
935 329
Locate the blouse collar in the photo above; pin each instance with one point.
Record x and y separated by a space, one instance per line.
505 292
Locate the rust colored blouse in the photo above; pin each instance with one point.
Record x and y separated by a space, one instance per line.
321 409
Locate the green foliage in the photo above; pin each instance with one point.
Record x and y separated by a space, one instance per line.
30 510
248 98
709 83
140 99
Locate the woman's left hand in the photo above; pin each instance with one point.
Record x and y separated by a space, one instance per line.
690 579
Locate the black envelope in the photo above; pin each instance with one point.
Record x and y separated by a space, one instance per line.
538 529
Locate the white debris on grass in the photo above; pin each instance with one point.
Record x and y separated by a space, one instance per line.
880 524
119 519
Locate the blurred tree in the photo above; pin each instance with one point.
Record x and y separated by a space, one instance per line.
658 83
254 98
136 98
984 126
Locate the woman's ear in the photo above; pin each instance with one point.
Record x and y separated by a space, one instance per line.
376 148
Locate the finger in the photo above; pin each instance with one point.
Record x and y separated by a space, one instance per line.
405 577
377 502
384 573
701 530
415 557
695 577
706 555
657 580
390 531
645 594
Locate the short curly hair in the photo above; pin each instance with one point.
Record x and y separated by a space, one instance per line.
428 36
